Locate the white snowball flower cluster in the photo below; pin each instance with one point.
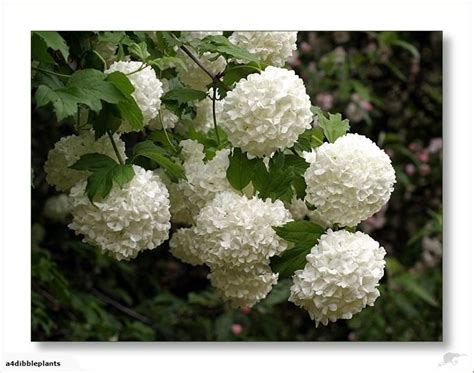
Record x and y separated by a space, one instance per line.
243 288
148 89
128 220
193 76
238 231
68 150
187 36
183 247
57 208
203 179
165 119
233 235
340 277
271 47
203 121
267 111
350 180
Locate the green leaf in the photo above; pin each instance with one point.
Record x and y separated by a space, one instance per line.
280 293
91 87
183 95
169 39
166 62
113 37
240 170
122 174
410 283
310 139
99 184
149 150
299 185
222 45
165 139
39 50
234 73
109 119
93 162
104 171
130 112
299 164
128 107
303 233
290 261
276 182
54 41
260 178
121 82
90 84
333 127
409 47
64 103
139 50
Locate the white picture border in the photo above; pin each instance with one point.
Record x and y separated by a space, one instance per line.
454 18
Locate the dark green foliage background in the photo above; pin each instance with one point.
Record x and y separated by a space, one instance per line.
78 294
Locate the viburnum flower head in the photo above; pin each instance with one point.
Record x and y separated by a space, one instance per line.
193 76
340 277
57 208
183 247
129 220
68 150
233 231
266 112
349 180
203 179
148 89
244 289
271 47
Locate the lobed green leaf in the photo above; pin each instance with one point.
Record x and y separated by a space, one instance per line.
240 170
54 41
150 150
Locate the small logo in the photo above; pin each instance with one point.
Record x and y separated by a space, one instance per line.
450 358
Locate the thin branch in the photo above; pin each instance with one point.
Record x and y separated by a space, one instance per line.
199 63
50 72
166 132
121 307
214 118
119 157
142 66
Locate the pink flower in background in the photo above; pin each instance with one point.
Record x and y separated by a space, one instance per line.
236 329
305 47
366 105
324 100
436 145
294 60
424 156
410 169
